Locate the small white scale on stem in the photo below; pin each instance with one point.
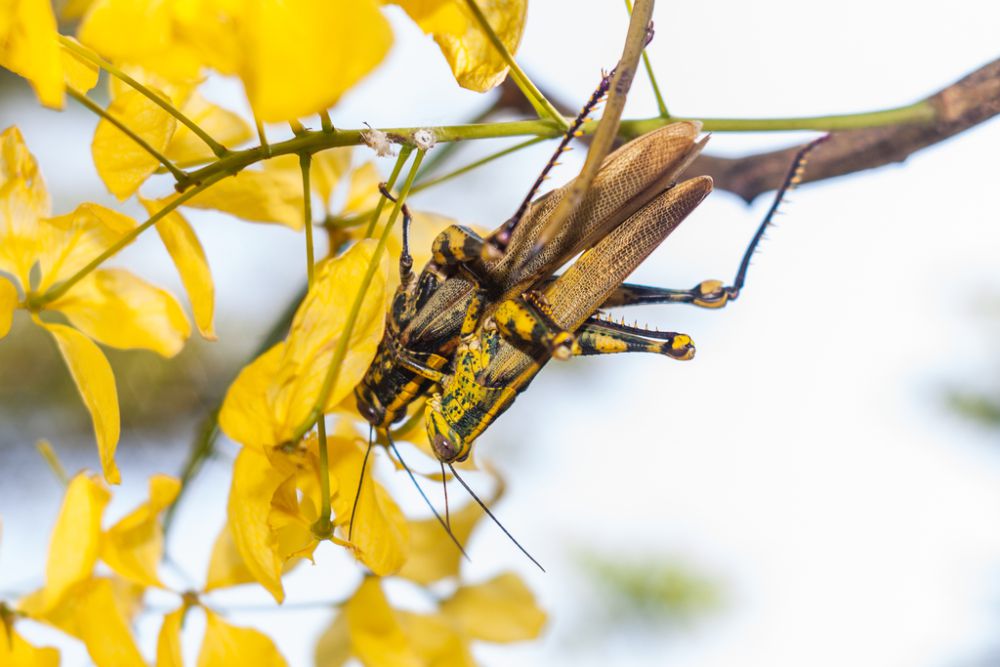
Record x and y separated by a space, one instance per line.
378 141
424 140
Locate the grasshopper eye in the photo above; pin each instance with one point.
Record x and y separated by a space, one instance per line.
444 448
369 408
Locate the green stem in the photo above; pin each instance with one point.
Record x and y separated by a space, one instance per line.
45 449
214 145
265 147
340 352
325 122
305 160
57 291
478 163
535 96
323 526
404 154
314 141
660 104
178 175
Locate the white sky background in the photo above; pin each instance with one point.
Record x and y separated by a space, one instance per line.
804 459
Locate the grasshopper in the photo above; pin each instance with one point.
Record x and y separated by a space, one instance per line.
427 311
501 352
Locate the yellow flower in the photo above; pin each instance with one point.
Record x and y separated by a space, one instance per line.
29 46
111 306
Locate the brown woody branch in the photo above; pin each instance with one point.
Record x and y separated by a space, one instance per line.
958 107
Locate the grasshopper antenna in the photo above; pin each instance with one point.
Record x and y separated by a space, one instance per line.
405 259
497 242
495 520
444 485
793 178
361 479
413 478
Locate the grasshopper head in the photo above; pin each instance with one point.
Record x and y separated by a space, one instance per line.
448 445
370 407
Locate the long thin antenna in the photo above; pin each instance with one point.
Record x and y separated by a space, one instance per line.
361 480
792 179
444 485
495 520
413 478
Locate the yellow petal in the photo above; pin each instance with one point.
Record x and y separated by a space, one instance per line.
435 639
328 167
122 310
121 163
474 60
92 614
127 30
267 195
362 193
302 55
15 652
226 644
224 126
380 532
29 46
168 643
75 540
70 242
133 547
189 257
8 302
81 74
226 566
246 415
433 556
255 482
276 393
93 377
376 635
434 16
23 201
499 610
333 648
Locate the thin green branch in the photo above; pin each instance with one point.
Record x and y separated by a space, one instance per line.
315 141
265 147
325 122
478 163
55 465
535 96
323 526
660 104
178 174
305 161
340 352
404 154
214 145
53 293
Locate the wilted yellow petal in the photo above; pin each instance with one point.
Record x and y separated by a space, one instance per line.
226 644
168 643
380 531
499 610
433 556
435 639
70 242
189 257
276 393
226 566
376 635
333 648
93 377
23 201
474 60
302 55
268 195
133 547
29 46
255 481
8 302
81 74
15 652
119 309
226 127
75 540
121 163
